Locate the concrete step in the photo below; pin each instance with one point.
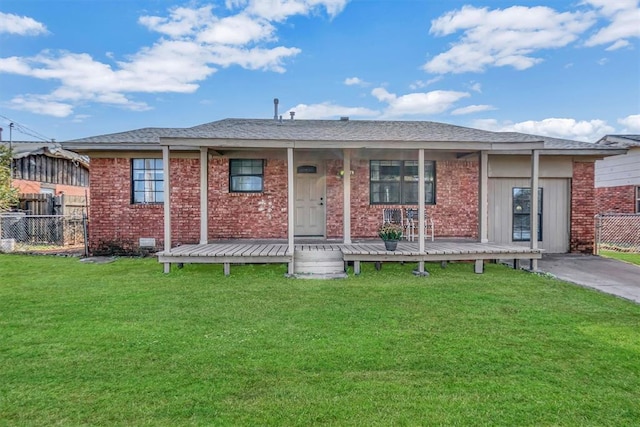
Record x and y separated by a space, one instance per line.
318 264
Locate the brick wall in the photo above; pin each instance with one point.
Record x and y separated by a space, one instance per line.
583 207
116 224
455 213
248 215
616 199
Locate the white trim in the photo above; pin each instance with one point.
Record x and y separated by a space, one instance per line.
535 165
421 202
204 196
484 197
346 201
167 204
290 208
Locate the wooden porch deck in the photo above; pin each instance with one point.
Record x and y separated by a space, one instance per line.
257 252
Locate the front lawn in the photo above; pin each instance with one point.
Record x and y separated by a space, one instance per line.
630 257
124 344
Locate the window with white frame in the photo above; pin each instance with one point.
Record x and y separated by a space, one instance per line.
394 182
147 181
246 175
637 199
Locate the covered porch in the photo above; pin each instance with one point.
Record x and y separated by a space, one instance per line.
292 251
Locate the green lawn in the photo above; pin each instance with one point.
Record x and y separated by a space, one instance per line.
124 344
633 258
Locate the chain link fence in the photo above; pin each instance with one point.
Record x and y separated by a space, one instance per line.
617 232
42 233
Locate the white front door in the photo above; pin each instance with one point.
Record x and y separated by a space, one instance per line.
310 199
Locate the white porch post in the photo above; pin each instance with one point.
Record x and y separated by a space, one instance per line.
346 191
421 223
204 195
290 209
167 205
535 166
484 197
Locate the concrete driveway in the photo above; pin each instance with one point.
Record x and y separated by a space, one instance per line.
604 274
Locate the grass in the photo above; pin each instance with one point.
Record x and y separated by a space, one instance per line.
630 257
124 344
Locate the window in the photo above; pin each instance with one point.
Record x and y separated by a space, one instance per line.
637 199
521 211
246 176
147 181
394 182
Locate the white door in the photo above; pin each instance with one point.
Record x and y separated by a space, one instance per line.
310 199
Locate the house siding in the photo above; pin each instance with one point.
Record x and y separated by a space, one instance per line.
583 207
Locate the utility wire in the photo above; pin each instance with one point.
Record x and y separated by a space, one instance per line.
26 131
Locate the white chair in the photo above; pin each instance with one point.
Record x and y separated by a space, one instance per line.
392 216
412 224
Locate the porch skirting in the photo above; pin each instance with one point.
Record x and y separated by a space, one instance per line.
237 252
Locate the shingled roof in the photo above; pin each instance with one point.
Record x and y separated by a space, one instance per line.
327 130
625 141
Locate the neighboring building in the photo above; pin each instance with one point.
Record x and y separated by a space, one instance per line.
618 177
339 175
47 168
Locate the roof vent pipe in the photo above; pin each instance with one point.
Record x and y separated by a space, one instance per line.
292 113
275 108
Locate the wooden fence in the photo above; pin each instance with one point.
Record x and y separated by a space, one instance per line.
48 204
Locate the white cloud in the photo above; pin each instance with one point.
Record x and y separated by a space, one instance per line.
420 84
41 106
327 110
624 17
603 61
476 87
631 123
618 45
355 81
472 109
194 42
20 25
580 130
279 10
503 37
424 103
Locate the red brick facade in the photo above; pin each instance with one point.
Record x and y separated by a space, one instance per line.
620 199
117 223
247 215
583 208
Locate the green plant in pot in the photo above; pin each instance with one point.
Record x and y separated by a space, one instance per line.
390 234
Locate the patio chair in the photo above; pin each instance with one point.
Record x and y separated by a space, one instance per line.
411 216
393 216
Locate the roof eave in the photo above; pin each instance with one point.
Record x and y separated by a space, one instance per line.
331 144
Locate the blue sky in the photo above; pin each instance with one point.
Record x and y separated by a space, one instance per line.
77 68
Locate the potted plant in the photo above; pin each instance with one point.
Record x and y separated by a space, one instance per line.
390 234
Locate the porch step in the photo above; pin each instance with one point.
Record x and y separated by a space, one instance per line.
319 264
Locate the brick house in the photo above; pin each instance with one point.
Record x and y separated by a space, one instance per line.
47 168
617 178
275 179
